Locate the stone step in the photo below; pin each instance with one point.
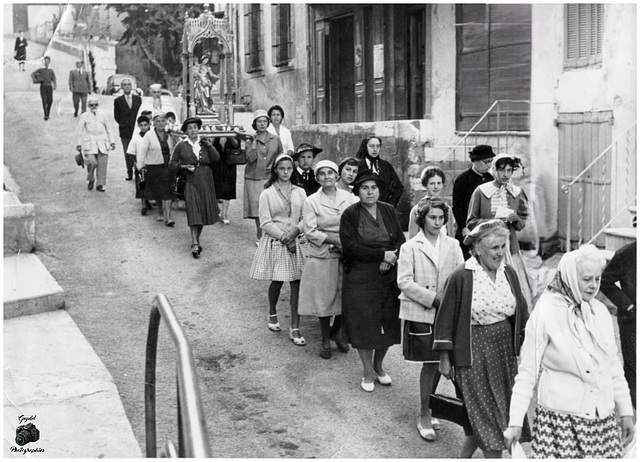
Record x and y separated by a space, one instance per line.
28 287
53 376
618 237
19 225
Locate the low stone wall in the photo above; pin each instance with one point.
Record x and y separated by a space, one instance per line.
19 225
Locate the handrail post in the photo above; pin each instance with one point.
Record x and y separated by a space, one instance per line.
568 247
150 383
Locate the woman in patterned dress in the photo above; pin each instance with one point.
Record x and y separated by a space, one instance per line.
195 156
478 331
280 253
570 354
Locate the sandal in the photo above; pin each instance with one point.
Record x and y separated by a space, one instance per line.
299 341
194 251
199 249
170 223
273 326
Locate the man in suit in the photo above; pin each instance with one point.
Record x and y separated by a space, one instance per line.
304 156
125 111
80 86
47 80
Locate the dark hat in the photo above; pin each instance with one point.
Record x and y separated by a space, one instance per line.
366 175
482 151
483 229
306 147
191 120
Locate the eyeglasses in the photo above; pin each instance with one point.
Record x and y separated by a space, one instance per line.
93 105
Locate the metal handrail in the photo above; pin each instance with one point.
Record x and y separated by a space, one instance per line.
484 116
565 188
193 440
620 212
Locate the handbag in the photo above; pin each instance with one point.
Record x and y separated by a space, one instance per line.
449 408
235 156
140 179
178 183
80 159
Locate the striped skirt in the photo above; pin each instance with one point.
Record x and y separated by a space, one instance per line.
563 436
274 262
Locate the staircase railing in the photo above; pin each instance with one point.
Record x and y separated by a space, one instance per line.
614 149
502 127
193 440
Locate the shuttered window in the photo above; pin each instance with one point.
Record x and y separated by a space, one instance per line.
282 45
493 63
253 48
583 34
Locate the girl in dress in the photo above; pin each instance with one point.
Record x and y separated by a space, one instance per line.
279 257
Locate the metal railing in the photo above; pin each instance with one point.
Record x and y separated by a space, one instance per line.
193 440
502 126
630 149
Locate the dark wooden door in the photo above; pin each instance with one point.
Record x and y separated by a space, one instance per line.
416 61
342 97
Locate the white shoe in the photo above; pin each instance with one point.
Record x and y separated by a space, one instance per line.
384 379
428 434
368 387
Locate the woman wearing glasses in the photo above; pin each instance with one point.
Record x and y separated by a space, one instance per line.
94 140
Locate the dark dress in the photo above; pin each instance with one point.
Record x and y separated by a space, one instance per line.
224 175
20 49
370 303
158 177
199 191
391 190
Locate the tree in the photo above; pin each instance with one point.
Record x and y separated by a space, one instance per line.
157 30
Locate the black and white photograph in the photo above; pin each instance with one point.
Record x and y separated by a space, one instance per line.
320 230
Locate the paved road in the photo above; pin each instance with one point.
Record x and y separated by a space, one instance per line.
263 396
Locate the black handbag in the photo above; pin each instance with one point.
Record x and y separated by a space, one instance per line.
80 160
449 408
235 157
178 183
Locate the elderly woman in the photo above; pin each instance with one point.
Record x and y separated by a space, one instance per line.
261 150
94 140
425 263
432 179
369 156
371 236
195 156
478 330
154 157
279 256
276 115
570 355
321 283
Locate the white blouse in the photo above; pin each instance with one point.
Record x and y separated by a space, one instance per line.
491 302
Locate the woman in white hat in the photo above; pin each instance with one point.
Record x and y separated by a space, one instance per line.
261 151
94 140
321 283
154 156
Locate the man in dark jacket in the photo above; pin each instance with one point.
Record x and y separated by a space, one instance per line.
80 87
47 80
125 111
304 156
481 157
622 269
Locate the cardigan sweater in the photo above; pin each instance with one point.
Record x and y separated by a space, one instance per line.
150 152
453 320
352 249
421 276
568 384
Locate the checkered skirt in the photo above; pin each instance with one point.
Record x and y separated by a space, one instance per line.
563 436
274 262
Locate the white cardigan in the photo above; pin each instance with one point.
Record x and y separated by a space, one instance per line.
421 277
567 384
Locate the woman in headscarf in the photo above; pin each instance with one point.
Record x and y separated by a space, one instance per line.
321 283
478 332
261 151
570 355
369 156
195 156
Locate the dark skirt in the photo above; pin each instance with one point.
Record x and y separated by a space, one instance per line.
563 436
157 183
224 177
200 197
417 343
486 385
370 306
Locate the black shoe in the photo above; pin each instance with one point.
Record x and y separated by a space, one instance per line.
129 178
46 118
75 114
143 212
100 188
90 185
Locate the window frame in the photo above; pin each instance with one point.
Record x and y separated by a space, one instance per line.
281 35
592 34
254 38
